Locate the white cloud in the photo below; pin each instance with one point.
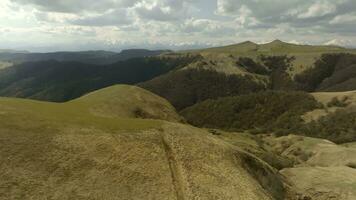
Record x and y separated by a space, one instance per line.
76 6
162 10
172 23
349 18
318 9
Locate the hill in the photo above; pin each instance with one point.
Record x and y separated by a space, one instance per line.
71 151
12 51
128 102
99 147
187 87
62 81
330 116
305 55
88 57
272 66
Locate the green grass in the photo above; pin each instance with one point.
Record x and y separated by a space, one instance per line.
46 116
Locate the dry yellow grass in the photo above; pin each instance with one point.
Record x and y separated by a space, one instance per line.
323 169
81 150
323 183
325 98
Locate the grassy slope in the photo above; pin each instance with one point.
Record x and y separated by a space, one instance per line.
69 151
325 98
21 113
127 101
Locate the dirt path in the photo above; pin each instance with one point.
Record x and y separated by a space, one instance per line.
176 174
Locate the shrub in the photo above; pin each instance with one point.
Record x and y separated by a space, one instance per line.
335 102
351 165
339 127
251 66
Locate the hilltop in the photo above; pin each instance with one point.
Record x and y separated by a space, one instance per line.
305 55
127 102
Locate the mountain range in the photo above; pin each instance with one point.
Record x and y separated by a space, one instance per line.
88 57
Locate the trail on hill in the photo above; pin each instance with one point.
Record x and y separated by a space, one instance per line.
177 177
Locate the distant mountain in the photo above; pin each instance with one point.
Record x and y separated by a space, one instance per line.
89 57
249 67
62 81
12 51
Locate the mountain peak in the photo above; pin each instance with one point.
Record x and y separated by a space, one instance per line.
248 42
277 42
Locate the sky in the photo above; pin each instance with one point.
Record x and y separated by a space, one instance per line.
57 25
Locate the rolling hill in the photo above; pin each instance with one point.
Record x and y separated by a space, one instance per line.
187 87
272 66
97 147
77 150
305 55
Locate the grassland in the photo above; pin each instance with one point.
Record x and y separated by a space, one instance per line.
21 113
96 147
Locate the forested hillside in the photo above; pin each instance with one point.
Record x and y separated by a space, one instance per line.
62 81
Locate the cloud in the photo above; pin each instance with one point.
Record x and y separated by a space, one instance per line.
174 23
112 18
338 42
208 27
76 6
349 18
318 9
163 10
296 12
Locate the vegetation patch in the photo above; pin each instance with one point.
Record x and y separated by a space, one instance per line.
62 81
336 102
332 72
185 88
339 127
263 111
